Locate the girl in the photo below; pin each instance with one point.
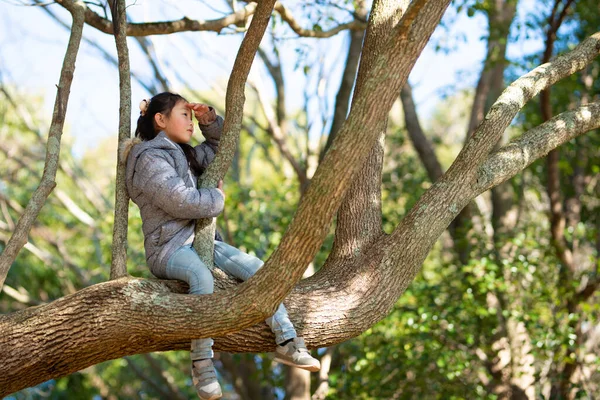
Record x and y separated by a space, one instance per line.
161 174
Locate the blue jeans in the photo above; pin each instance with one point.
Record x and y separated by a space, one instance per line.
185 265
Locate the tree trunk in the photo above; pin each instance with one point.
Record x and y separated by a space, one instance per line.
297 384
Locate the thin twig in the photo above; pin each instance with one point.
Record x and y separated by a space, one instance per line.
47 184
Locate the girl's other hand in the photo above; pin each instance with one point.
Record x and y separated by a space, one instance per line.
220 187
203 113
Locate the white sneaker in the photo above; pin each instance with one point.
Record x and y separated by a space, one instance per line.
204 378
296 354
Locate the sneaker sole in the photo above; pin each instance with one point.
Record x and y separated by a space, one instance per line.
214 397
311 368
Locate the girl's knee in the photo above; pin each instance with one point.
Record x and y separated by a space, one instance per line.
201 281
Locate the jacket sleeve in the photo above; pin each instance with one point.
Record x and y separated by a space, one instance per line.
155 176
206 151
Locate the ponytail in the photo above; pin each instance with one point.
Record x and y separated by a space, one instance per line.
146 130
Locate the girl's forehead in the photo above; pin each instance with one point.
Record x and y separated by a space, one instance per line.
181 104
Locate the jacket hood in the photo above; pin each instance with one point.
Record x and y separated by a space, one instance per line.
126 147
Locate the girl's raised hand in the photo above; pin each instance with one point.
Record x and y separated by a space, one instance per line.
220 187
203 113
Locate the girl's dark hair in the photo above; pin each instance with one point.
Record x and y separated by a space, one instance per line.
146 130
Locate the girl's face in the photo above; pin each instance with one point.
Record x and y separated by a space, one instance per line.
178 126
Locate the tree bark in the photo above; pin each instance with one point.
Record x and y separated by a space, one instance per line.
245 376
359 216
297 384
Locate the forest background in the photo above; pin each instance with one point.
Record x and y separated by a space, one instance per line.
506 304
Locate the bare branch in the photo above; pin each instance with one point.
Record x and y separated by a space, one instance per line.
417 137
23 298
276 133
107 56
148 50
287 16
118 267
163 28
47 184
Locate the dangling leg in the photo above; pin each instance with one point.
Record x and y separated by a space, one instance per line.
291 349
185 265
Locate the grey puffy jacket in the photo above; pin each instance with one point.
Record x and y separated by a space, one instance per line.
160 182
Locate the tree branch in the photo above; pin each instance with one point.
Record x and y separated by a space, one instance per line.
417 137
342 99
118 267
216 25
107 56
274 130
47 184
514 98
289 18
537 142
163 28
234 115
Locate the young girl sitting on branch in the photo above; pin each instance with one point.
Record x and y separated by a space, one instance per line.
161 175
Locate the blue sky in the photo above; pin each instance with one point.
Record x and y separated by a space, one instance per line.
32 47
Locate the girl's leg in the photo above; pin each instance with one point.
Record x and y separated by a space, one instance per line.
185 265
291 350
243 266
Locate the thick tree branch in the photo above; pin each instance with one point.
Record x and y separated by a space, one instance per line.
118 267
47 184
359 216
